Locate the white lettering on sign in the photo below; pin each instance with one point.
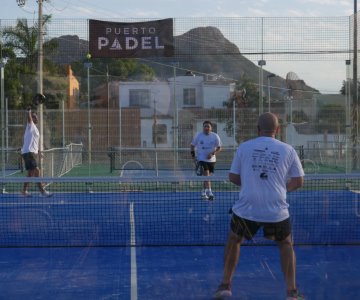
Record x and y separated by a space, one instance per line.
130 30
102 42
130 43
116 45
146 42
157 45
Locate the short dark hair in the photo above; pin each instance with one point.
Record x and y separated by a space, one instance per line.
207 122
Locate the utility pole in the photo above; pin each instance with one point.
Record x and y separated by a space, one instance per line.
40 81
108 105
3 128
155 140
355 100
21 3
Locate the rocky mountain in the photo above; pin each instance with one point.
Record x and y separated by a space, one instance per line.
204 50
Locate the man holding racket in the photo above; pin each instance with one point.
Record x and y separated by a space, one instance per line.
206 144
266 169
29 152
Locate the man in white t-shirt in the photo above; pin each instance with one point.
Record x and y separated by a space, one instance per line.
206 144
30 151
266 169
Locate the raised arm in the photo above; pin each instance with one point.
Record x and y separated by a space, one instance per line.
29 115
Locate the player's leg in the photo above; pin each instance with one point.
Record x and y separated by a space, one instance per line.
281 233
288 266
288 261
30 172
41 185
25 190
240 229
206 182
209 193
231 259
231 256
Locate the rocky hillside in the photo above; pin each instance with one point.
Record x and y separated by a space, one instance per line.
204 50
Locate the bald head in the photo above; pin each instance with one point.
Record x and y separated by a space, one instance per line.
268 124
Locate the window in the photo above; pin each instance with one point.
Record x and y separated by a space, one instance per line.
159 134
189 96
139 98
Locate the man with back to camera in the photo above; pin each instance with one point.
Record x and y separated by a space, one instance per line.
206 144
266 169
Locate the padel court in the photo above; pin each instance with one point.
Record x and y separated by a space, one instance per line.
159 240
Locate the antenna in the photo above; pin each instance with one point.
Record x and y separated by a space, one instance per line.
21 3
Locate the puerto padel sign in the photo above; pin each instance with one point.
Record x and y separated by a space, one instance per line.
131 40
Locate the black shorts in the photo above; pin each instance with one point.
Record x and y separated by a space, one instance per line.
275 231
30 161
210 166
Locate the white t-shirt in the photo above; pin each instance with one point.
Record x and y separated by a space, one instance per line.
31 139
206 144
264 165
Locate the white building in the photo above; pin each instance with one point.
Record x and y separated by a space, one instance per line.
156 101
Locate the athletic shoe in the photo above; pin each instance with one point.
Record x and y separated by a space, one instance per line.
204 196
45 193
294 295
25 194
210 195
223 291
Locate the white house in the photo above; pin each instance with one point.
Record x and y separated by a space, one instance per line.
156 101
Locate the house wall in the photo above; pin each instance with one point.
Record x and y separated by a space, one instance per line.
146 133
186 82
160 93
215 95
208 96
295 139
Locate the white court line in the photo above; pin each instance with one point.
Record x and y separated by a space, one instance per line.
133 293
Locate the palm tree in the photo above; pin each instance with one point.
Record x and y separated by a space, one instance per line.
245 97
22 40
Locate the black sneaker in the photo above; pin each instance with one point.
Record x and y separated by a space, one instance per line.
294 295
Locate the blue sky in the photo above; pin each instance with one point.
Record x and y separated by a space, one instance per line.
328 78
175 8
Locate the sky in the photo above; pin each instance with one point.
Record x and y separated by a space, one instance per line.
176 9
330 82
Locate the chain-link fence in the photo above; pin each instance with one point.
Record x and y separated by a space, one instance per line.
226 70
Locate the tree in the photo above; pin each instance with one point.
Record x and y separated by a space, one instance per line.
246 99
22 41
121 69
117 69
331 118
343 89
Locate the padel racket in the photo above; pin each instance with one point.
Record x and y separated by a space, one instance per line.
199 169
